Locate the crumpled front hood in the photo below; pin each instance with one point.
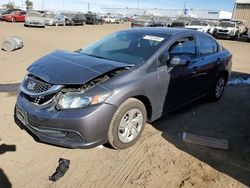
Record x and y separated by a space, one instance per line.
70 68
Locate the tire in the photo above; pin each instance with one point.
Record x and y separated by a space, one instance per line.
236 36
123 134
218 88
13 19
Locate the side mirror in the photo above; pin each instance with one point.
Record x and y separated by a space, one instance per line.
178 61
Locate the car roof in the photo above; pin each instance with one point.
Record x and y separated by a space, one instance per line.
162 30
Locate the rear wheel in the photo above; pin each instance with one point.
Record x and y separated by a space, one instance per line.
218 88
127 124
13 19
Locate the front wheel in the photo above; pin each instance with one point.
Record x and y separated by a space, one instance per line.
13 20
127 124
218 88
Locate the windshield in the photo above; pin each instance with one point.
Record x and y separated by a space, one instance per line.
34 14
143 18
50 15
199 23
227 24
126 47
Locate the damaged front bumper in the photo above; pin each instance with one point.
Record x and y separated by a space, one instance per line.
73 128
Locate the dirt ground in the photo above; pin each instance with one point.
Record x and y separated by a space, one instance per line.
158 159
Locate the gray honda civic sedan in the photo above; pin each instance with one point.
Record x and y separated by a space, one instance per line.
107 91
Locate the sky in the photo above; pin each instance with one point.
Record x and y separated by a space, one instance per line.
82 5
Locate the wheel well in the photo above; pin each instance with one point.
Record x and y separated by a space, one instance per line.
147 105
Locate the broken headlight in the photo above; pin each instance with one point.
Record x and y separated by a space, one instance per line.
72 100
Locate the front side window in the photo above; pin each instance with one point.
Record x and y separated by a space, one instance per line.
184 47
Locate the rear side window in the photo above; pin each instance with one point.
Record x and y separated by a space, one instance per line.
183 47
208 46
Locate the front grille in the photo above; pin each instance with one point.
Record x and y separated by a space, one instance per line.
223 31
36 23
34 85
39 100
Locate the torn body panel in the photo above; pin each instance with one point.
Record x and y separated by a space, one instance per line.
43 87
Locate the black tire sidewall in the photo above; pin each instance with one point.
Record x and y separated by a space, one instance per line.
113 137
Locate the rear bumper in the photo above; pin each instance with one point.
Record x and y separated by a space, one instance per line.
84 128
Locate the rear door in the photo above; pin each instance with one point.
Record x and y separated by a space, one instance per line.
209 60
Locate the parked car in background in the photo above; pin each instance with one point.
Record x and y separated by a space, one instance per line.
241 25
106 93
52 19
110 19
35 19
227 29
142 21
16 16
7 11
1 11
75 19
95 19
178 24
199 25
161 21
150 21
248 35
212 25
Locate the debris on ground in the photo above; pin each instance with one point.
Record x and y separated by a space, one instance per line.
205 141
60 170
7 148
12 43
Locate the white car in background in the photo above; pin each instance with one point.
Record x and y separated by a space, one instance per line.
198 25
227 29
110 19
34 19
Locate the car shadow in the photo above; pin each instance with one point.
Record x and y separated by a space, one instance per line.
4 181
243 39
227 119
9 88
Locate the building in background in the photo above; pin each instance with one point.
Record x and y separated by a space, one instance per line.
242 10
197 13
